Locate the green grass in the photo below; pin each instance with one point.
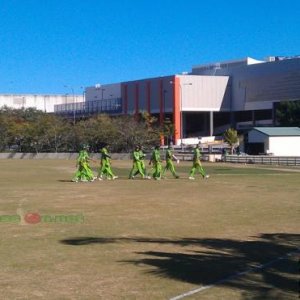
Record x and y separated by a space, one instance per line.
146 239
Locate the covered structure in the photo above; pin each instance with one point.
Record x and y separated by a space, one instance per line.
279 141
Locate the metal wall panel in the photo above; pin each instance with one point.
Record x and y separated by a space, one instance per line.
205 93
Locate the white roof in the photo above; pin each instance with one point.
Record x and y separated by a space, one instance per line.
228 63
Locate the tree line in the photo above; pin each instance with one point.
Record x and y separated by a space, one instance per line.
31 130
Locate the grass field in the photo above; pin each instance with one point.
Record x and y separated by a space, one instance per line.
145 239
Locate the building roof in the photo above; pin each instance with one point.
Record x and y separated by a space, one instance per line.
279 131
229 63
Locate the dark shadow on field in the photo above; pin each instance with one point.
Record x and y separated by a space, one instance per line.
272 273
64 180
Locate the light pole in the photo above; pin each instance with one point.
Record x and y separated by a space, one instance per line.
74 104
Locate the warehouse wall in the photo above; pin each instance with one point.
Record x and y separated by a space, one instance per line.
41 102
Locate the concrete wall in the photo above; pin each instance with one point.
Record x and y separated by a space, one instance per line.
66 156
41 102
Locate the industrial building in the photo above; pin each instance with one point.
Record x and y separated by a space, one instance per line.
45 103
239 93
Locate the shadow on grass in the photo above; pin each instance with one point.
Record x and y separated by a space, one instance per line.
272 273
64 180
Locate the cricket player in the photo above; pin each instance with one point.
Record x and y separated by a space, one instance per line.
169 162
105 166
84 172
197 165
142 159
156 162
137 164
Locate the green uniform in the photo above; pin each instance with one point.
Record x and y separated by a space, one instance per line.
142 162
137 165
84 171
105 166
197 164
169 164
156 161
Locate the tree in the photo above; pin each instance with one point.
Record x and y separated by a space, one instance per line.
99 131
168 130
288 113
231 137
132 131
4 136
30 130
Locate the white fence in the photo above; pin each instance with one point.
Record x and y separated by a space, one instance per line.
264 160
186 156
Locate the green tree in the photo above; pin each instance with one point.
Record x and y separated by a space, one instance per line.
130 132
99 131
231 137
168 130
30 130
54 133
4 136
288 113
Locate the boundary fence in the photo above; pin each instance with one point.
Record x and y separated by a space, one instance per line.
263 159
184 156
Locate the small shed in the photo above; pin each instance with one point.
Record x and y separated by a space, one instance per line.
279 141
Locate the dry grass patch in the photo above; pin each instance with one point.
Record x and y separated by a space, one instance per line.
145 239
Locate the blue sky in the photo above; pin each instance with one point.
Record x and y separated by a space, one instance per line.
47 44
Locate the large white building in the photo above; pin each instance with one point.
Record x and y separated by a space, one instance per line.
45 103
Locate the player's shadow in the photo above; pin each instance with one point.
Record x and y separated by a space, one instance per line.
270 273
64 180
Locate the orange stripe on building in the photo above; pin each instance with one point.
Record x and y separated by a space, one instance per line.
176 109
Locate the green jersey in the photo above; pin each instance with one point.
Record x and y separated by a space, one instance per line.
169 154
142 155
155 156
104 155
83 156
197 154
136 156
